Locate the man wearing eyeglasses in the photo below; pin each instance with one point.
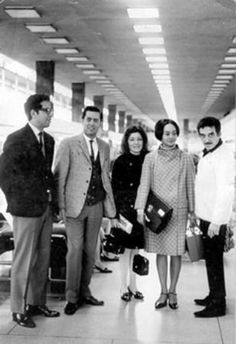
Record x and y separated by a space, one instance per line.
27 181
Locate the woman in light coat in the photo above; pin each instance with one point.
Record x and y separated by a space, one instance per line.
169 173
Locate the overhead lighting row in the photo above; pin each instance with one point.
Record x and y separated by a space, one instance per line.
82 62
146 23
225 75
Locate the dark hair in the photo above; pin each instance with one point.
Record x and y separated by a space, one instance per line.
159 127
128 132
92 109
209 122
34 103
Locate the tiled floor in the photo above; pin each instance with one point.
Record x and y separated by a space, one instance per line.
136 322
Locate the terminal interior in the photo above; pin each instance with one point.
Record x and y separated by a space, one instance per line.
138 61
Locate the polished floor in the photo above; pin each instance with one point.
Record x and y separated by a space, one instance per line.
136 322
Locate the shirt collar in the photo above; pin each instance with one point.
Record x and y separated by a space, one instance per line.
205 151
35 130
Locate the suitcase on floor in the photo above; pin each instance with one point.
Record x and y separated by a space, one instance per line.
58 256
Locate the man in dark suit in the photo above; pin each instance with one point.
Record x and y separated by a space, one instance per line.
27 182
84 197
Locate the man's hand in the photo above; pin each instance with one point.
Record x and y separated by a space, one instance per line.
140 216
213 230
62 215
115 223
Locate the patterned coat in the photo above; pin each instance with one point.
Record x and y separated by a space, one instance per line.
170 174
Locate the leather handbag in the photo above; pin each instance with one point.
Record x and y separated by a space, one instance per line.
111 244
157 212
194 245
140 265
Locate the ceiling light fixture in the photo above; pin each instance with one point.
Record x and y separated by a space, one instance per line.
77 58
90 72
158 65
87 65
152 51
40 28
94 77
228 65
147 28
160 72
224 77
67 51
21 12
55 40
151 40
227 71
143 12
232 51
230 58
156 58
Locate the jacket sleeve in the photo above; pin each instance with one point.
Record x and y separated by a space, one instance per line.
61 170
145 183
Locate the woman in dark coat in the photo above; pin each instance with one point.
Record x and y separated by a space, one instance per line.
126 175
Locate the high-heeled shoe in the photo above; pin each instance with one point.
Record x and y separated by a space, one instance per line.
173 300
161 304
137 294
127 296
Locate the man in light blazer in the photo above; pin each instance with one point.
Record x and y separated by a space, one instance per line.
27 182
84 196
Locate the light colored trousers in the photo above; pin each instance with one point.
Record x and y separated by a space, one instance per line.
29 274
82 235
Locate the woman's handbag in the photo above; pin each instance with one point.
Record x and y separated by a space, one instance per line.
194 244
157 212
140 265
111 244
229 241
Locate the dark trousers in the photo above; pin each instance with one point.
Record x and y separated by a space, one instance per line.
213 253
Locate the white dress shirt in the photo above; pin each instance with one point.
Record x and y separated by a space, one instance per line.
95 145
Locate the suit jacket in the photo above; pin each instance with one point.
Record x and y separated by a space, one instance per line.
73 169
25 174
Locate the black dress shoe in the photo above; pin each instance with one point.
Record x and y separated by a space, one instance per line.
127 296
212 310
162 301
137 294
70 308
23 320
41 310
173 304
203 302
104 270
90 300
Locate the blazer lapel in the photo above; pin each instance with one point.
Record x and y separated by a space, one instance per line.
101 152
84 147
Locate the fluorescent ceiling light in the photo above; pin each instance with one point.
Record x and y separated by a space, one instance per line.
227 71
88 65
151 40
147 28
161 77
94 77
67 51
40 28
158 65
230 58
221 82
167 97
107 86
77 58
162 82
90 72
160 72
143 12
224 77
21 12
232 51
228 65
103 82
234 40
55 40
152 51
156 58
218 86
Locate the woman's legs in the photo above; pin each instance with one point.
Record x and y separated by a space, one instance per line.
175 267
124 262
132 275
161 262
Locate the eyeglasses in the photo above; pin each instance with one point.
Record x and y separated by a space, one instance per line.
48 111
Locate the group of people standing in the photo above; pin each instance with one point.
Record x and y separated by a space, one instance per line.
82 192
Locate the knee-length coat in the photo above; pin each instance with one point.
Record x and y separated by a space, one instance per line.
169 174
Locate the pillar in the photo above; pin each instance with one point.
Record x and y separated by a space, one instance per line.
78 95
128 120
121 121
111 117
45 71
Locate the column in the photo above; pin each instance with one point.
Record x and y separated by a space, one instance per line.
45 71
121 121
128 120
111 116
78 95
186 133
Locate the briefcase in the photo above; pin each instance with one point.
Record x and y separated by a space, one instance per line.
194 244
157 212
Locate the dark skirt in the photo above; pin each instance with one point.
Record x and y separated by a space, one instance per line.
133 240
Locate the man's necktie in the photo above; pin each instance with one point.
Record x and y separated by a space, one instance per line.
41 142
92 151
